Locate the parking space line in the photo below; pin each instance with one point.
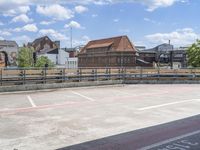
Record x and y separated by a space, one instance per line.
170 140
31 101
162 105
81 95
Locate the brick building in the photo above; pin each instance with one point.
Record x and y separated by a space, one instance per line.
110 52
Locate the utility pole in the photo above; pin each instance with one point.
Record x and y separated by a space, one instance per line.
71 37
171 55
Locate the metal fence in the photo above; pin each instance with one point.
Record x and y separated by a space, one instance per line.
60 75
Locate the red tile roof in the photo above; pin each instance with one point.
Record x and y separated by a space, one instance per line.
120 43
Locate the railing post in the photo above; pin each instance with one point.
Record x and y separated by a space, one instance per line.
119 73
96 74
175 74
24 76
44 74
80 75
106 74
158 73
109 73
193 74
124 74
1 76
21 76
141 75
63 75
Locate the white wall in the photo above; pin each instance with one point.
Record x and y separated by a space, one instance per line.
52 57
71 63
62 57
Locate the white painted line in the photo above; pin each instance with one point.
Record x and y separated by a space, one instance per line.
170 140
81 95
162 105
196 100
122 92
31 101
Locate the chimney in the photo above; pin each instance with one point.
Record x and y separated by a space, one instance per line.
57 44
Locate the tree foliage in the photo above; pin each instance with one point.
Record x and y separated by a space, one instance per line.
25 57
193 53
42 60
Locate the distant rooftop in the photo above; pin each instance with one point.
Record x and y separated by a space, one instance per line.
8 43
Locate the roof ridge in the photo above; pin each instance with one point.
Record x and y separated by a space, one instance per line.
110 38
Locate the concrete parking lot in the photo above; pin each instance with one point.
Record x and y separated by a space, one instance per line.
54 119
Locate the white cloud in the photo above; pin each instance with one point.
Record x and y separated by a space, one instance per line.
82 41
45 7
85 38
1 38
124 31
152 21
151 4
154 4
28 27
47 22
94 15
179 37
74 24
22 18
53 33
13 11
55 11
23 39
80 9
1 23
116 20
5 33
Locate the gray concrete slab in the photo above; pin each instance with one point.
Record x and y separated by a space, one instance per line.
66 117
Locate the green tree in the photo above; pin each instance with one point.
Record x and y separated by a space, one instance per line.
193 53
25 57
42 60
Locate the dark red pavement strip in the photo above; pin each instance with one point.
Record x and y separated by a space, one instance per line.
143 137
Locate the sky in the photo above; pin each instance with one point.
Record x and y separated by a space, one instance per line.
146 22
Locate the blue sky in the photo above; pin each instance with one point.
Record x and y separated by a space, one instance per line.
146 22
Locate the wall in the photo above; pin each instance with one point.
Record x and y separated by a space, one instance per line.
62 57
71 63
107 59
52 57
12 55
56 85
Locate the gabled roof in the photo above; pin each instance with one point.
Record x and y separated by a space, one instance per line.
7 43
120 43
38 40
100 45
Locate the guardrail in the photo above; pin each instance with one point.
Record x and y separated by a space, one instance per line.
60 75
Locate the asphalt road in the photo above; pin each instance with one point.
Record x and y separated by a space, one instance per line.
119 117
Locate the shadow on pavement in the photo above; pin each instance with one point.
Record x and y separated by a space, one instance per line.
144 137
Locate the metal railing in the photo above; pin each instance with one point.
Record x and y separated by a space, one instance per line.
60 75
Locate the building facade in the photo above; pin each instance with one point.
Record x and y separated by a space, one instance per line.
8 53
166 55
110 52
44 46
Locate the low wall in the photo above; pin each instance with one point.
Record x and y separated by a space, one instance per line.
28 87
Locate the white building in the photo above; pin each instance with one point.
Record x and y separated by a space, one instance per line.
44 46
61 59
71 63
